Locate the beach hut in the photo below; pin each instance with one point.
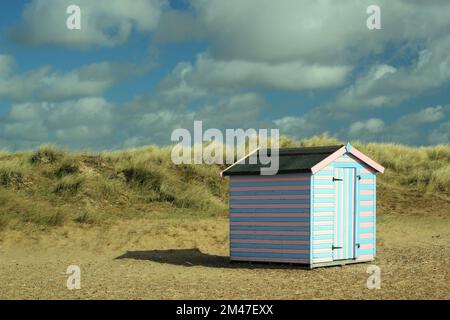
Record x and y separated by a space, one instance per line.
318 210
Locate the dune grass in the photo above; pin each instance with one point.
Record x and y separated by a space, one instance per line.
51 187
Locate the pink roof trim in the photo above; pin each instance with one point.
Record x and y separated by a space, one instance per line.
322 164
361 156
352 150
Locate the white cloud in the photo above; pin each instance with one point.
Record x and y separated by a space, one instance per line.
387 86
78 123
208 73
371 126
47 84
296 126
103 22
409 128
310 31
441 134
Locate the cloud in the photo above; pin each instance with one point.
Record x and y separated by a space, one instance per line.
208 73
47 84
310 31
387 86
103 22
79 123
413 128
441 134
296 126
371 126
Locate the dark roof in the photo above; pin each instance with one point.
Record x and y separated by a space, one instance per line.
291 160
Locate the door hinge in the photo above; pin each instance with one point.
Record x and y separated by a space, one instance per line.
336 179
334 248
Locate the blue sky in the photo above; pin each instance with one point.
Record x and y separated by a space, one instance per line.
139 69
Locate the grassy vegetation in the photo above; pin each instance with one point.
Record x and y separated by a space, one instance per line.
51 187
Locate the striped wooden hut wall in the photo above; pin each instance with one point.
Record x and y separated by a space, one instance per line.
270 218
355 193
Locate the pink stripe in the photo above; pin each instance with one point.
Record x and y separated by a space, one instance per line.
269 259
366 202
268 250
366 181
323 214
274 179
365 257
366 224
269 241
274 224
276 205
271 197
318 260
368 235
269 188
366 246
273 233
364 170
269 215
367 192
366 213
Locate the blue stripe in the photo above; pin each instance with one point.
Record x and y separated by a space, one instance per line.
267 219
269 201
365 251
271 255
317 228
365 219
323 182
365 208
367 240
321 255
267 184
366 230
270 246
327 218
281 175
322 191
264 210
374 216
366 197
366 187
267 192
270 228
268 237
323 237
323 245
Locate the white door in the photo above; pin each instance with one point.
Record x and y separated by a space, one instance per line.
344 213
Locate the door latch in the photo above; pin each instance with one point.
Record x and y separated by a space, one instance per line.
358 245
336 179
334 248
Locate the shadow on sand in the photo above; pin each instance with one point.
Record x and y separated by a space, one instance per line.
194 257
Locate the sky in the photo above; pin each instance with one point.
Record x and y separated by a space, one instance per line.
139 69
